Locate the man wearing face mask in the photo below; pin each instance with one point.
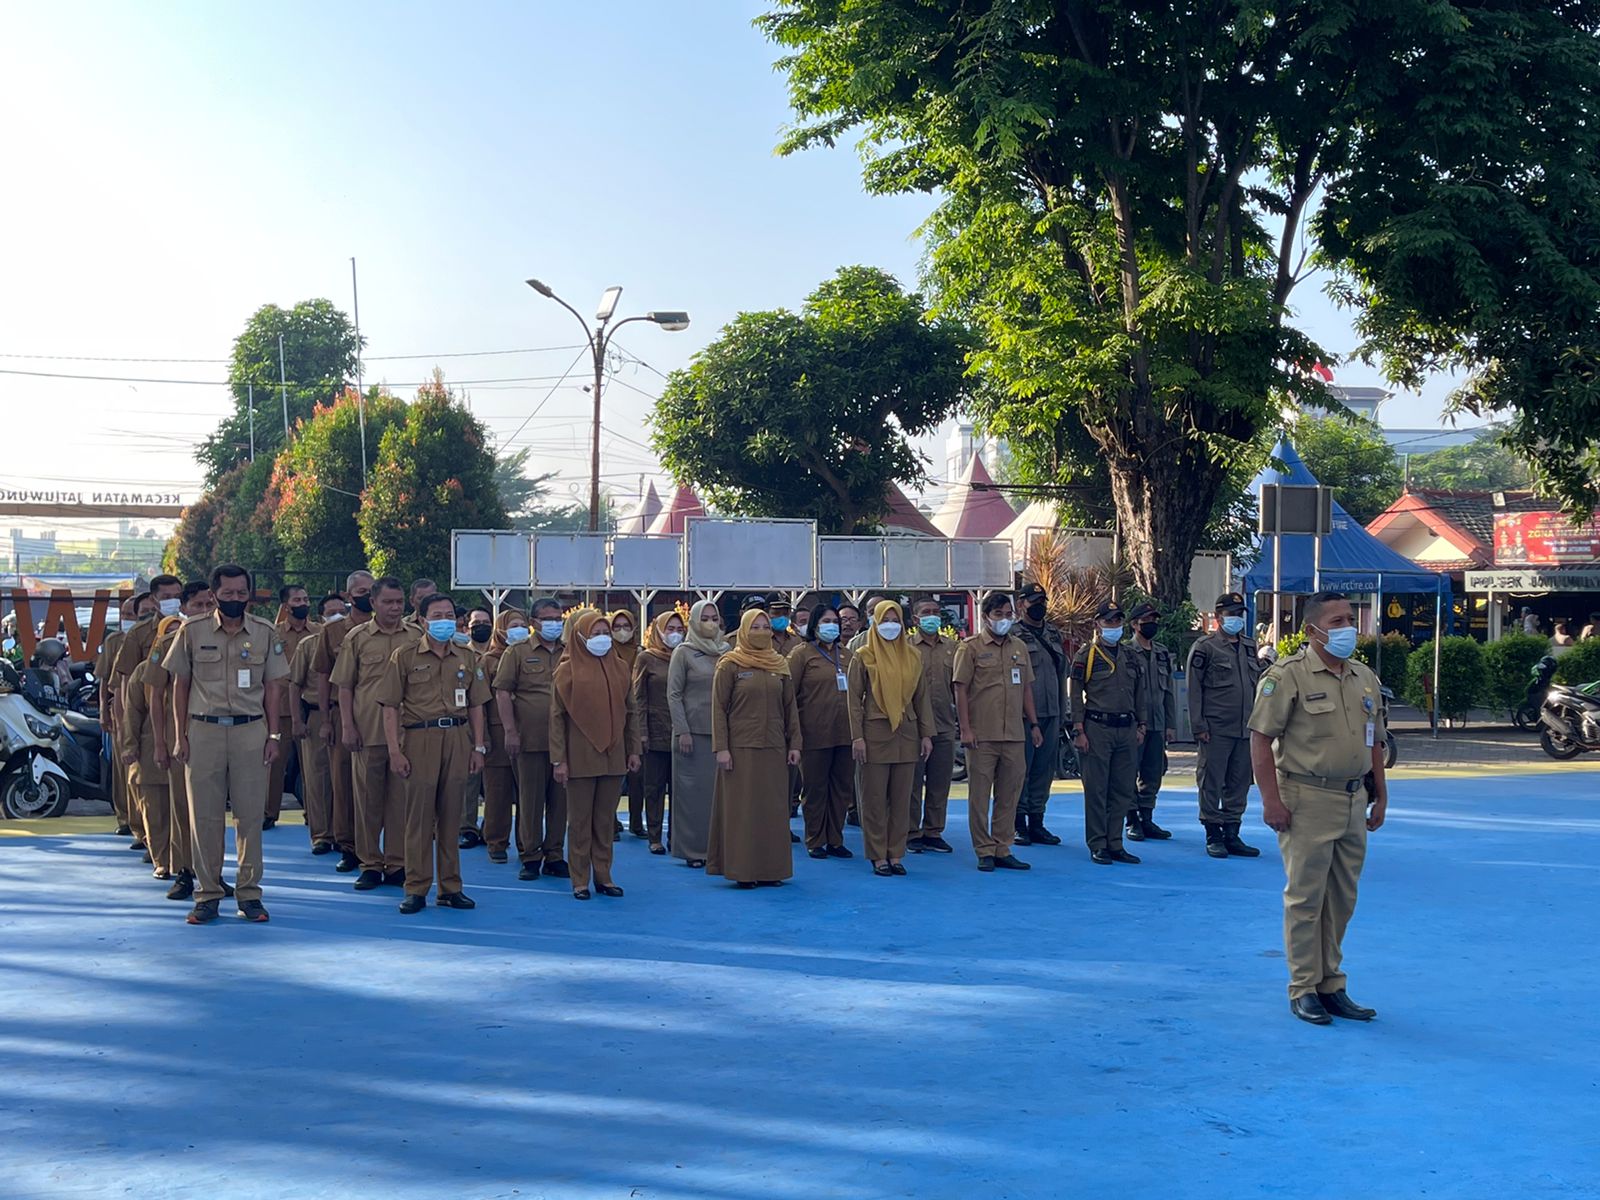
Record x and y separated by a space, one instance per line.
784 638
1317 742
859 638
109 705
1048 655
1156 662
1108 727
306 721
294 627
930 781
330 642
1222 672
167 592
522 689
479 629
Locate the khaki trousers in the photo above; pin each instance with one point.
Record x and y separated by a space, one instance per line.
930 790
1224 776
993 769
541 810
380 811
155 806
341 783
827 787
656 773
471 793
119 791
225 767
276 772
886 808
432 798
499 795
1110 773
181 828
1323 851
591 827
317 781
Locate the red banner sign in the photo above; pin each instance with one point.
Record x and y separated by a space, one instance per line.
1544 539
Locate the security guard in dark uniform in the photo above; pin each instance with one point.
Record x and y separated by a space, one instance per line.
1223 670
1156 661
1048 655
1108 715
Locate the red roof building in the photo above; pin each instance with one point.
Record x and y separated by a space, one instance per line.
1448 531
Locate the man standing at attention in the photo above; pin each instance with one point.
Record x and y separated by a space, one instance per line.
930 781
1156 661
1108 725
294 627
341 770
1223 670
1048 655
1316 739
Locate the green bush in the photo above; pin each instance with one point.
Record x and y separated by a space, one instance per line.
1508 663
1462 678
1289 643
1581 664
1178 629
1396 650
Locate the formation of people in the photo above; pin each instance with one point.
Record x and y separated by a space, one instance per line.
408 713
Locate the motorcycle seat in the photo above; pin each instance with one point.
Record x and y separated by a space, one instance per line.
78 723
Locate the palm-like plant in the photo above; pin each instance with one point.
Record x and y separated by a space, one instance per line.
1073 589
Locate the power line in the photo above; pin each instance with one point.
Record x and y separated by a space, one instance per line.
535 410
112 358
454 383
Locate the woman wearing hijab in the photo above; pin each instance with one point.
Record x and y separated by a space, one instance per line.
891 724
594 742
820 668
499 788
689 678
661 637
755 732
626 648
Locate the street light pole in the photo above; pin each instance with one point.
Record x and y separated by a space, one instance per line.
599 340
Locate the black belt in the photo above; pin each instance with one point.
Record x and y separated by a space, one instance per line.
1348 786
224 720
439 723
1116 720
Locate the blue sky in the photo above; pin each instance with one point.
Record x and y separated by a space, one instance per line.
175 165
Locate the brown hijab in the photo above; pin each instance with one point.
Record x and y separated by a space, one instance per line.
498 643
593 690
655 636
753 647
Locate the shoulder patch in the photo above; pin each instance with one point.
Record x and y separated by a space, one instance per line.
155 656
480 672
277 647
1268 686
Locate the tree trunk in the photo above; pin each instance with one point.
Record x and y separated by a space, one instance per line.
1162 511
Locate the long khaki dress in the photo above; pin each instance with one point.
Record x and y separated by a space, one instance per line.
689 677
753 718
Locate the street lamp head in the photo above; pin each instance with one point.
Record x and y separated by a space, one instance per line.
544 289
672 322
608 304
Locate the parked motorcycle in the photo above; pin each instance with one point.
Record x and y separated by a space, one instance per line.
1570 720
51 754
1391 748
1066 760
1527 714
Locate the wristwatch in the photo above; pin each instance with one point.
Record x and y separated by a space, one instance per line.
480 750
274 737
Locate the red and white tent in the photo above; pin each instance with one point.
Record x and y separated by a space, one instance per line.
906 518
968 512
683 505
640 519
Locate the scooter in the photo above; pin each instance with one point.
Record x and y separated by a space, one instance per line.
1527 714
1570 720
67 741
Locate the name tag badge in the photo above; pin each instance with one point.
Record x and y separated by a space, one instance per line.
843 681
244 677
1016 674
1372 732
461 699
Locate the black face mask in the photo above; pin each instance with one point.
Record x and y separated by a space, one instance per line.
300 611
363 603
481 633
1148 630
232 609
1036 610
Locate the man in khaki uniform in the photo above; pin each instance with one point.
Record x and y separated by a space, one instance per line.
227 672
147 779
994 697
295 628
330 640
522 686
197 603
478 625
109 703
930 782
432 692
140 634
1109 709
380 802
307 720
1156 662
1222 671
1316 739
166 595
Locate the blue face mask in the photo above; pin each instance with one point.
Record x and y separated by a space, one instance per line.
550 631
442 630
828 631
1233 626
780 623
1342 642
1111 636
930 624
517 634
460 639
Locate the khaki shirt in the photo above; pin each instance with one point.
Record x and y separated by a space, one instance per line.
869 722
994 671
785 642
362 661
823 707
156 679
133 649
135 734
528 672
108 656
300 673
569 747
227 672
489 660
1115 684
650 698
938 677
752 709
425 686
1162 696
1222 684
292 638
1320 719
330 639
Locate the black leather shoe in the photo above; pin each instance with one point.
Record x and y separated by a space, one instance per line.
1122 856
937 844
530 870
469 838
1232 844
817 852
882 869
1040 835
255 911
136 844
1309 1008
321 848
1150 829
124 830
1338 1004
203 913
914 845
395 878
499 856
793 837
769 883
227 889
581 894
413 904
839 852
161 873
1215 846
268 823
1101 857
347 862
183 887
1011 862
608 889
853 818
897 868
456 900
557 868
1134 832
368 880
986 862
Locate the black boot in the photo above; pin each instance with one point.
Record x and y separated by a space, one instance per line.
1038 834
1023 837
1232 845
1135 830
1215 846
1149 828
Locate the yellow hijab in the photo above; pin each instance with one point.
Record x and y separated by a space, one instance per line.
752 648
894 668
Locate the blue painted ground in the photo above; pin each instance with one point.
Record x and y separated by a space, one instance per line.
1078 1030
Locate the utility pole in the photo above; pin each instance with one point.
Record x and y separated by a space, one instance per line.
283 390
361 399
252 388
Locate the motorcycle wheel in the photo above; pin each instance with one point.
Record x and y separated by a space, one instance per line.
21 799
1558 747
1391 750
1525 717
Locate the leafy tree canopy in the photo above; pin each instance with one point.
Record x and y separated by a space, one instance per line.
1351 455
1482 465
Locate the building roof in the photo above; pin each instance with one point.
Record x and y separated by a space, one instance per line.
971 510
905 517
1464 519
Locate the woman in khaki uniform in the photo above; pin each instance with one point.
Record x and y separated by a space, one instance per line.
694 774
891 727
499 788
820 668
147 779
594 742
755 732
626 647
650 669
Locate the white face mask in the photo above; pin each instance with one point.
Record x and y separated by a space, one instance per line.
169 607
623 635
674 639
517 634
332 617
1000 626
599 645
551 631
889 630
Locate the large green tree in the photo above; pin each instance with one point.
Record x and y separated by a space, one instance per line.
434 473
1481 465
1125 189
231 522
1351 455
319 356
812 413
